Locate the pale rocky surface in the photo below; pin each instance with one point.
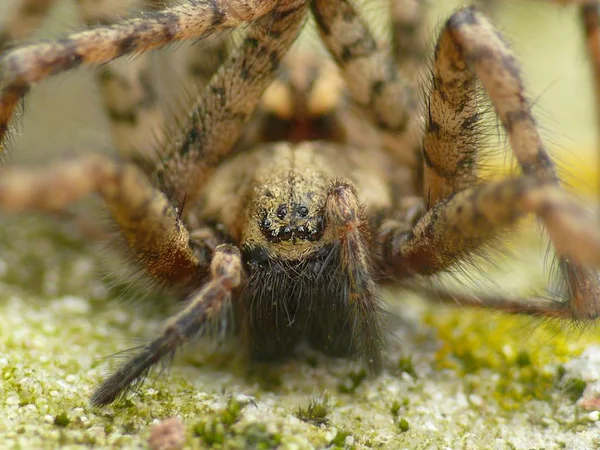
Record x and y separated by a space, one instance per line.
454 378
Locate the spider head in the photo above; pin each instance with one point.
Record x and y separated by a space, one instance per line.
287 207
303 102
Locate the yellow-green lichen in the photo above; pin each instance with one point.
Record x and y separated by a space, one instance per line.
523 355
454 373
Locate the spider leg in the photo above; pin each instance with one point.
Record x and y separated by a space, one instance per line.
534 306
204 306
127 87
372 78
130 88
228 101
344 219
409 37
462 223
22 66
24 20
459 223
470 48
159 240
192 20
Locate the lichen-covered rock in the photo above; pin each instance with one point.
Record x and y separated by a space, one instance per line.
454 378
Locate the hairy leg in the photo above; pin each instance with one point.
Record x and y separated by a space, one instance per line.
191 20
128 88
372 77
473 40
469 48
463 223
204 307
25 65
227 103
24 20
152 227
458 226
534 306
345 221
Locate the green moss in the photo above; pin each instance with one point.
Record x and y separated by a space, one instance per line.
523 359
575 388
220 432
339 441
256 436
405 365
352 381
403 425
216 430
316 411
398 406
62 420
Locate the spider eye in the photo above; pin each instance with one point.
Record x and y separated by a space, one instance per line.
266 223
282 211
285 233
302 211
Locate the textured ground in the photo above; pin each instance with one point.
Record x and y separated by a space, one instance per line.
454 378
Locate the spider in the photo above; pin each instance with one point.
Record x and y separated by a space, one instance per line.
293 187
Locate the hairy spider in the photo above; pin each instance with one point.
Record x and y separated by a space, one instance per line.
303 182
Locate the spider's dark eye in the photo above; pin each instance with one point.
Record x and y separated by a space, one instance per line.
285 233
266 223
302 211
282 211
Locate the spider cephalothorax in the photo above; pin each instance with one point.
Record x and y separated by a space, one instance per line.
297 200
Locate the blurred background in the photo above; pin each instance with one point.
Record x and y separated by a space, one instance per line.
64 114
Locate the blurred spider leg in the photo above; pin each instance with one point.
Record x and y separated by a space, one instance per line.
28 64
590 16
190 70
191 20
409 37
204 306
534 306
157 237
228 102
9 101
372 77
128 88
344 219
23 21
460 225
